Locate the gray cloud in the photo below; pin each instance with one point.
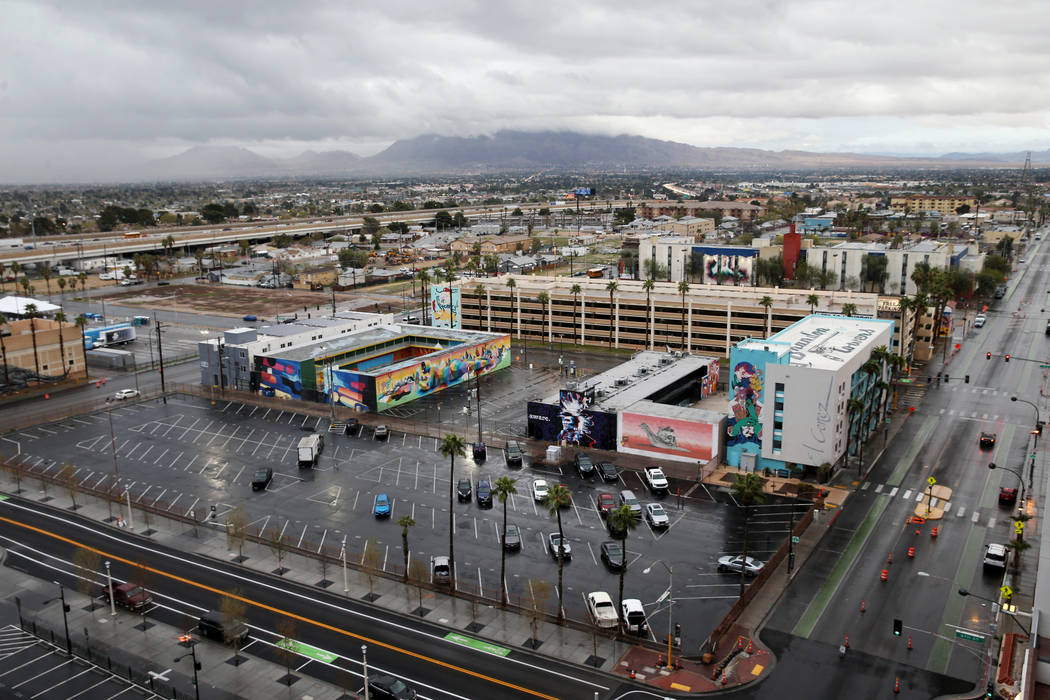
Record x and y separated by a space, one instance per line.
813 74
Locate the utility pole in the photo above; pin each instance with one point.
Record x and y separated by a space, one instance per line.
333 301
160 358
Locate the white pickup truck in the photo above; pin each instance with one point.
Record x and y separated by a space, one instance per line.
602 610
654 477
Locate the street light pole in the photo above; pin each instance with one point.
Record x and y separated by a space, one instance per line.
670 600
109 589
993 465
342 555
193 653
963 592
364 667
65 614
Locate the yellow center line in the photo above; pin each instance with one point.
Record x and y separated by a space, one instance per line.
278 611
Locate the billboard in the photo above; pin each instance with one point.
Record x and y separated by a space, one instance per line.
716 266
680 440
440 371
570 424
445 306
284 377
351 389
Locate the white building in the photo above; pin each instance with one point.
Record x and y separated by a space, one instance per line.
789 394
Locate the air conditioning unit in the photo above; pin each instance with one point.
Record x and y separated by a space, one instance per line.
664 361
642 371
599 392
623 381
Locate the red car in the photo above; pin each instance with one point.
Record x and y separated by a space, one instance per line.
606 502
1007 497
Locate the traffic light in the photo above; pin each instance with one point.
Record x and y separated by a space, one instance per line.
967 379
1006 357
898 627
987 355
1039 428
945 378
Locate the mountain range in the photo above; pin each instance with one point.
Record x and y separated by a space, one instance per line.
544 150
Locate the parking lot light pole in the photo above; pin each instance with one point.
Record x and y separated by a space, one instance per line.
109 589
65 614
342 555
364 667
193 653
131 517
670 601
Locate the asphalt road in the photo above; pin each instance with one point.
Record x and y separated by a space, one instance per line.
188 456
939 441
186 585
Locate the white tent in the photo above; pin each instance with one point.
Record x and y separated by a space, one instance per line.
16 306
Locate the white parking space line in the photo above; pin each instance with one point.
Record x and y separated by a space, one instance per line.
246 437
175 501
192 506
159 496
174 461
865 485
161 456
591 550
143 455
187 467
285 527
217 434
235 429
237 478
291 418
254 409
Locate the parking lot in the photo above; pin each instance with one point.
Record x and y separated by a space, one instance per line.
195 457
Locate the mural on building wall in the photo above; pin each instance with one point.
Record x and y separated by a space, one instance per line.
440 371
283 377
709 385
593 429
677 439
744 428
445 306
351 389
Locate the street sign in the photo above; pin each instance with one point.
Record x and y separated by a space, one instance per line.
1019 527
663 597
794 539
969 636
1006 591
931 481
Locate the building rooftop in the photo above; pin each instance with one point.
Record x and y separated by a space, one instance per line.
16 306
823 342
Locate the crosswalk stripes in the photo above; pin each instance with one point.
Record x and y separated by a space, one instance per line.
916 496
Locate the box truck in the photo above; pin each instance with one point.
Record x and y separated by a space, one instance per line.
310 449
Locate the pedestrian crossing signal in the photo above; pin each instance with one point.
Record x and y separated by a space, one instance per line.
987 355
898 627
1006 357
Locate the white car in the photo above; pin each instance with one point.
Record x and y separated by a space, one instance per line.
654 476
602 610
634 616
557 542
995 556
751 567
656 515
126 394
539 489
978 321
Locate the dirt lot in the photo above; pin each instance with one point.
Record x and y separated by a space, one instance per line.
239 301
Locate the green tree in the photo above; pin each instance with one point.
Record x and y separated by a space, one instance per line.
683 289
405 522
424 293
370 226
575 291
511 285
622 520
442 220
61 320
31 310
559 497
452 446
648 286
849 309
611 287
479 292
748 490
766 303
213 213
81 323
3 351
812 300
854 407
45 274
544 299
502 489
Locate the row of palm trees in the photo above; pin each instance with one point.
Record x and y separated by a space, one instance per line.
883 369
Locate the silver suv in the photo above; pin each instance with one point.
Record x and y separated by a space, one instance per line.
995 556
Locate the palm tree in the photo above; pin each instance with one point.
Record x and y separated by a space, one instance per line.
648 286
545 299
748 489
452 446
61 319
683 289
424 290
559 497
16 269
479 291
502 488
45 274
511 284
853 407
198 255
62 289
405 521
31 313
3 352
766 302
621 519
169 245
575 290
25 285
3 276
83 277
849 309
611 288
813 300
81 322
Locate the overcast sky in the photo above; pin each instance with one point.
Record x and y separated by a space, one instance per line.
91 84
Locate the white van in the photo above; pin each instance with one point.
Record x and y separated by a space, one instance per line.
310 449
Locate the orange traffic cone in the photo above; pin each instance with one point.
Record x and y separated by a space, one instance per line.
750 647
933 533
630 670
847 642
889 559
911 552
884 576
863 605
896 685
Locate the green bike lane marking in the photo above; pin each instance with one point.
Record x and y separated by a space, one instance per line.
307 650
941 653
477 644
817 606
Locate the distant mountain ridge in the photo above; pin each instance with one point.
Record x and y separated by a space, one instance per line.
522 150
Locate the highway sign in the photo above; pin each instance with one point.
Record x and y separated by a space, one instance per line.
969 636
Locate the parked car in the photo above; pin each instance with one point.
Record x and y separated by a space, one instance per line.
381 506
751 566
249 317
987 441
484 493
126 394
634 616
584 465
979 320
513 453
512 540
389 688
627 498
129 595
382 432
654 477
606 502
612 555
601 608
214 625
261 478
557 542
479 451
995 556
1007 496
440 569
539 489
464 490
608 471
656 515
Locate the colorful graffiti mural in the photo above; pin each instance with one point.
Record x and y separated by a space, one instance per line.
680 440
709 384
350 389
744 427
284 377
445 306
440 371
593 429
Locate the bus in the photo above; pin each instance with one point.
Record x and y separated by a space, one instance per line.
133 234
596 273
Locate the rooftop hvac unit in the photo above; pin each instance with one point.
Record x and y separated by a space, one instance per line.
623 381
642 371
664 361
572 386
599 392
